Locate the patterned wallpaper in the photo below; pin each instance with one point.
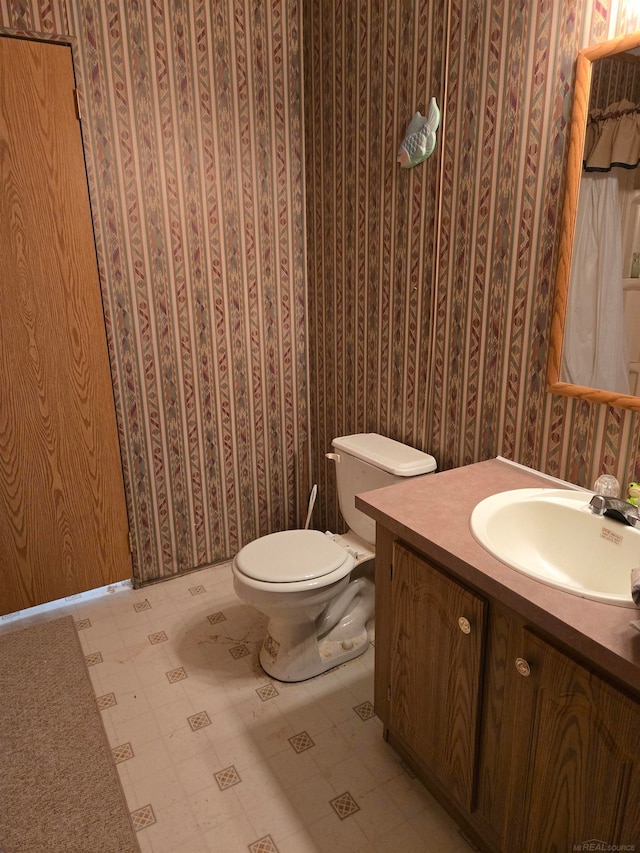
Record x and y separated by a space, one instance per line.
430 311
613 79
193 136
429 290
372 228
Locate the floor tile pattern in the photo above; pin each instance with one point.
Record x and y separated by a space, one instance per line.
143 817
344 805
158 637
106 701
267 691
240 651
263 845
301 741
176 675
365 711
199 721
215 756
227 778
122 752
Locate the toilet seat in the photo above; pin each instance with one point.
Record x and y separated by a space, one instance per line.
293 560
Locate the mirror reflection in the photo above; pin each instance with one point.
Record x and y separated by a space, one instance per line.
602 333
595 347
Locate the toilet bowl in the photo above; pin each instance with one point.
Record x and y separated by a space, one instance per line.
320 613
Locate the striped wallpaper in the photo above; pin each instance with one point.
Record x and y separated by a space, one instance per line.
193 132
614 79
372 228
234 258
430 302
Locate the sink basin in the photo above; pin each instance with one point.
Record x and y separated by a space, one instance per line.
552 536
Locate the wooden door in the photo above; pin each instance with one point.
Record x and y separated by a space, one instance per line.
575 772
63 521
436 661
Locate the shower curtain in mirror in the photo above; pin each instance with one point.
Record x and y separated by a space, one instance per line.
594 352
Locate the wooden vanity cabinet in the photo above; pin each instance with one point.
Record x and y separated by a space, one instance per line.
436 638
575 755
525 746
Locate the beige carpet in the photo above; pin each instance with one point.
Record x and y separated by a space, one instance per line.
59 787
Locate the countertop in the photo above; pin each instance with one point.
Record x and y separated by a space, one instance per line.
431 513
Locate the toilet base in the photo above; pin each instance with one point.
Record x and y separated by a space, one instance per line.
301 649
311 658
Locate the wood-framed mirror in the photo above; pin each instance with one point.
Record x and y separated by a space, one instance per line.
573 357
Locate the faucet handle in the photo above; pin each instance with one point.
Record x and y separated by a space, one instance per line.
598 504
607 485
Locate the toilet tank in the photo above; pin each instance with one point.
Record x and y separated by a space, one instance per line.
367 461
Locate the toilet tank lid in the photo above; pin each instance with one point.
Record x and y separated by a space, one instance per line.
386 453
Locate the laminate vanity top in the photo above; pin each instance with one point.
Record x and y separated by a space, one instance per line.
431 513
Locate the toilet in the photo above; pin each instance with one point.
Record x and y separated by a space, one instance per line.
317 588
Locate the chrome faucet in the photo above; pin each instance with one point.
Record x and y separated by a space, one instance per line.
615 508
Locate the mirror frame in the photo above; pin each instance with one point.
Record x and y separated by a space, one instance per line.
579 115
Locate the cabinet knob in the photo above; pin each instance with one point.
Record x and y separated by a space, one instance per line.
523 667
464 625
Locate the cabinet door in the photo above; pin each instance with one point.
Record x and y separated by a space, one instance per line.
436 657
576 756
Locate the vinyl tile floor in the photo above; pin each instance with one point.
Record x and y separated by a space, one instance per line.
217 757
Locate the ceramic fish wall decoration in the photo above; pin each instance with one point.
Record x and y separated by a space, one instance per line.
420 138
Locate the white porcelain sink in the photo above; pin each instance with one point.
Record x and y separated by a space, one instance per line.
552 536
